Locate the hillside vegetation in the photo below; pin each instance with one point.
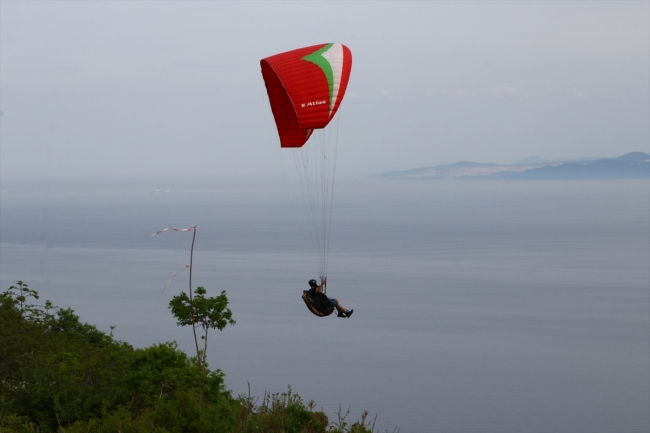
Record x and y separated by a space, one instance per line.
58 374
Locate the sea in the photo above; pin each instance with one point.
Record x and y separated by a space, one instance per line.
479 306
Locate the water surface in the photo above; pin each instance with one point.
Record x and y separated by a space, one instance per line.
479 306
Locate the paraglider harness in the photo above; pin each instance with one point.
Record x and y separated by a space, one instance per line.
318 302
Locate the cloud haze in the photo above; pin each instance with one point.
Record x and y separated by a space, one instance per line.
173 89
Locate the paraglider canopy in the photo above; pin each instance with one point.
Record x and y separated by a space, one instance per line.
305 88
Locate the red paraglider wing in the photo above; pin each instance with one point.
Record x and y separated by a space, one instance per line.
305 88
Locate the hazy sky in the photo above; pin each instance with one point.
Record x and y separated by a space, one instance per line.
166 89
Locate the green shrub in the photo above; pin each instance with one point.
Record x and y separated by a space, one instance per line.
58 374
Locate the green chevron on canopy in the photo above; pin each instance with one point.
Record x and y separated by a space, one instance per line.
330 60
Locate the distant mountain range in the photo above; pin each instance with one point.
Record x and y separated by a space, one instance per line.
635 165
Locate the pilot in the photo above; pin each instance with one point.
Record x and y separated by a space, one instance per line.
314 287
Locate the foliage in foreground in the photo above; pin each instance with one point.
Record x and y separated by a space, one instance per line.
58 374
209 313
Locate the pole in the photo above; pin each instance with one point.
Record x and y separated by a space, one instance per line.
196 342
